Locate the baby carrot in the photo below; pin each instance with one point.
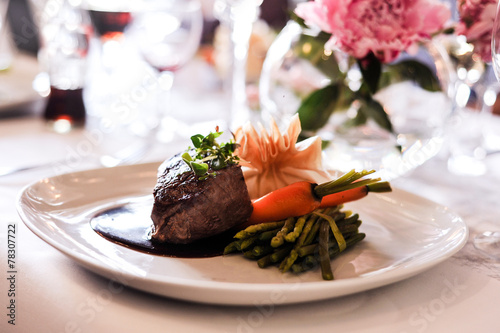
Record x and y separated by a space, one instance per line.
293 200
353 194
303 197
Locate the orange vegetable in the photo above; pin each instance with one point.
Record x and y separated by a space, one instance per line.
292 200
302 198
339 198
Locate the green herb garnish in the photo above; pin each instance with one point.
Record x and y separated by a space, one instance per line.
210 154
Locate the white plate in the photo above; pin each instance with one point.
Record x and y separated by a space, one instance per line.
406 235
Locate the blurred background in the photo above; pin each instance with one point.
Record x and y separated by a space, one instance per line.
120 83
85 77
20 16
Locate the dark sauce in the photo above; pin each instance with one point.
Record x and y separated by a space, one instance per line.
130 225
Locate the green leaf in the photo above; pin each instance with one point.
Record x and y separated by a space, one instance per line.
317 108
410 70
199 168
296 18
186 157
312 48
371 70
212 136
218 163
229 147
209 140
208 150
374 110
197 140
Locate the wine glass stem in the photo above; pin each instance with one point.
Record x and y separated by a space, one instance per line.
166 81
240 23
166 126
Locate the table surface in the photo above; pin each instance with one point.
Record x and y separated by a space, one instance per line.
54 294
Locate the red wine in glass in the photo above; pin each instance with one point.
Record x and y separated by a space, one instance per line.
108 24
66 105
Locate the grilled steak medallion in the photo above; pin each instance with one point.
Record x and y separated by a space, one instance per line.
187 209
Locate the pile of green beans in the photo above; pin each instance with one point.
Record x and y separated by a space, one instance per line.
299 244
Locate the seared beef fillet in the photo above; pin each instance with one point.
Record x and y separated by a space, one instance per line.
187 209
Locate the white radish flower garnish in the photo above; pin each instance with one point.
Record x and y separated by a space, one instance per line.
271 159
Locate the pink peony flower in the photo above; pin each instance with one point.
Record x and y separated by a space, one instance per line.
476 23
384 27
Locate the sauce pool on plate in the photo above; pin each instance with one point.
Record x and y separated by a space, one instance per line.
130 225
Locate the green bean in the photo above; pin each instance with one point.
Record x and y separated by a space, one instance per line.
232 247
247 242
250 255
348 220
302 266
261 250
349 228
313 233
300 243
265 261
312 248
314 230
287 263
280 254
258 228
335 230
298 268
299 226
268 235
324 257
305 232
279 239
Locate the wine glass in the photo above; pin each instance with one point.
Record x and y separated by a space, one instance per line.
110 19
488 242
167 35
495 44
238 16
113 73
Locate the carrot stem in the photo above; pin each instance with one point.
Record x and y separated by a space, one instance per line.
379 187
346 182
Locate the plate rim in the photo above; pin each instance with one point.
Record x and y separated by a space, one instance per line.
373 281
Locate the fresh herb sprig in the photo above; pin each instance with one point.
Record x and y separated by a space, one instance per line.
210 154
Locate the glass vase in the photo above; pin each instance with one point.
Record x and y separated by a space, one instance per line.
474 127
395 129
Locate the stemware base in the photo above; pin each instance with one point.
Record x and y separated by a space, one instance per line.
488 243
